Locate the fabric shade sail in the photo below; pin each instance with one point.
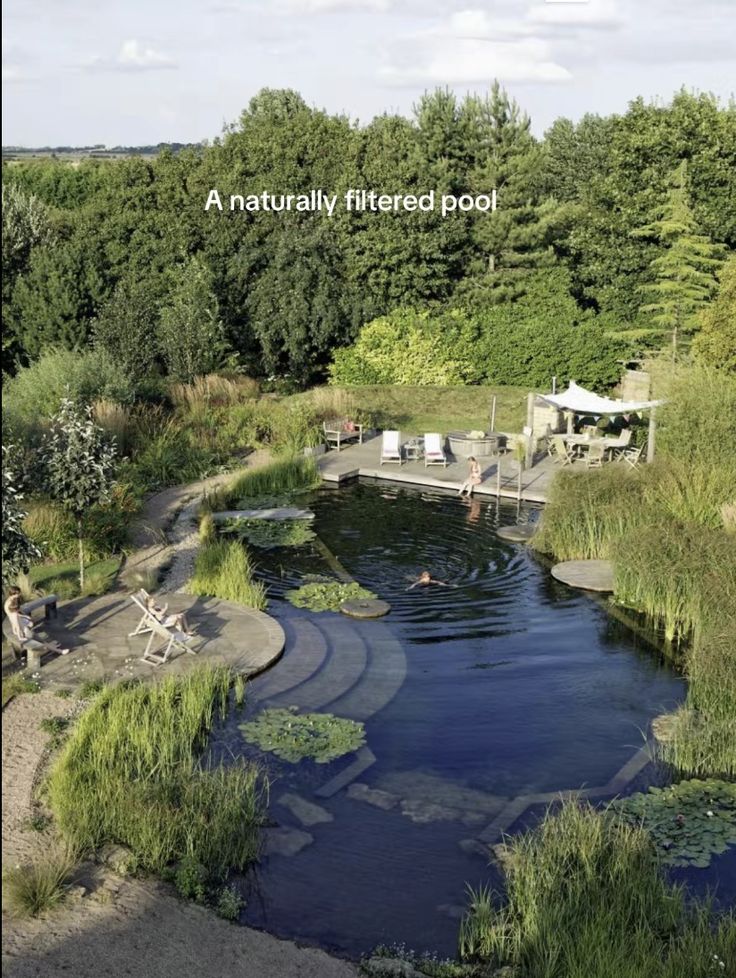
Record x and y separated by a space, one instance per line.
581 401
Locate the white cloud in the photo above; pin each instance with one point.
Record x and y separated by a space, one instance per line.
599 14
329 6
467 61
133 56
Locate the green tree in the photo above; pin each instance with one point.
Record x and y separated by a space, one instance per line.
191 334
715 342
19 551
683 275
80 466
26 224
126 328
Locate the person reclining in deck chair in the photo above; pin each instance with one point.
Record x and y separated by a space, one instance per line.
177 621
426 578
22 625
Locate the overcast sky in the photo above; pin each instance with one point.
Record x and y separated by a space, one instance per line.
131 72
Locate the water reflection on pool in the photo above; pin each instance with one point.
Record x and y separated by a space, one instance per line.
506 683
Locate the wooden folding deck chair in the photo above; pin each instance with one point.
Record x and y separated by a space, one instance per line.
172 639
140 598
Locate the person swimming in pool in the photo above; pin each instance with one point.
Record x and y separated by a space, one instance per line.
426 578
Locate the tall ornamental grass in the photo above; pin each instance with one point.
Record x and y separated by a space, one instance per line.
131 773
279 479
224 569
586 897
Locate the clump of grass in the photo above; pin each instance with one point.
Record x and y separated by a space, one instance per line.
668 570
213 390
278 479
585 896
17 684
37 887
130 773
223 569
90 688
207 529
56 727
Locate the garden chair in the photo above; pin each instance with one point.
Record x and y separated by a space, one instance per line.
171 639
562 453
433 453
140 599
617 445
632 456
391 447
596 456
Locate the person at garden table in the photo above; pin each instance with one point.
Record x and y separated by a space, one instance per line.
474 477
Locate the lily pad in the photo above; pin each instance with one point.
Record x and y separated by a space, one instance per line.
271 533
293 736
327 596
689 821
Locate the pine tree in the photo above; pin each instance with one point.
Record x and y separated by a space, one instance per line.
684 274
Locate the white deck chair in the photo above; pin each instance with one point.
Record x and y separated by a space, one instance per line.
172 639
433 453
391 447
140 598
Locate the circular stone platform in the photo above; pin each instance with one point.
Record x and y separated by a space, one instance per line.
517 534
367 608
97 631
592 575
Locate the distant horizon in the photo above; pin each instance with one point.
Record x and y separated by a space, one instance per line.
111 146
84 73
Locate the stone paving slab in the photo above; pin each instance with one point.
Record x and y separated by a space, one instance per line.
98 633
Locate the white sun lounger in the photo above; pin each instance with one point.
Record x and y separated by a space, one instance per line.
391 447
171 639
433 453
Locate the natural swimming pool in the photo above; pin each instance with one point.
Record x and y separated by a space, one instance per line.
505 685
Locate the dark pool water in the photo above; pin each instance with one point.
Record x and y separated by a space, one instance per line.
506 684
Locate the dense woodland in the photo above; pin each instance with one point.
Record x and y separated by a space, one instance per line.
610 238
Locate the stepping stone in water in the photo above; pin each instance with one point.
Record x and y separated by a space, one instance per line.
365 608
517 534
305 811
285 842
423 812
373 796
475 848
591 575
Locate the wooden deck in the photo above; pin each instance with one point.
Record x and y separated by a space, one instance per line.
364 460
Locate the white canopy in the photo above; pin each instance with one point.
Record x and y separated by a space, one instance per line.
582 401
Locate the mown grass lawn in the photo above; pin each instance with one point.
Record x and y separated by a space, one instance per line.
62 579
415 410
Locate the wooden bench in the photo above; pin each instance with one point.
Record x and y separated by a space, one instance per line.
48 603
341 431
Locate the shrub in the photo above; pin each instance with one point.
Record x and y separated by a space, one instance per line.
37 391
191 879
224 570
229 903
39 886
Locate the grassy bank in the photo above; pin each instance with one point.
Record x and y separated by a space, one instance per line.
224 569
668 531
586 897
130 773
63 579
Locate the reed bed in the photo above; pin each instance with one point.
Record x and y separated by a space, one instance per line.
130 773
585 896
224 569
280 479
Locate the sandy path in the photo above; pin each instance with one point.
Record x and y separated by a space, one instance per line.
23 747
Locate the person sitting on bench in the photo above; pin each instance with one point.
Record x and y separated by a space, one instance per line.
21 624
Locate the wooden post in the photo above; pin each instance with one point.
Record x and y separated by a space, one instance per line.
529 433
652 434
554 385
493 415
569 416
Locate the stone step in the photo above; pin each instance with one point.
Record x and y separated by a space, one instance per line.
381 680
306 651
343 668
